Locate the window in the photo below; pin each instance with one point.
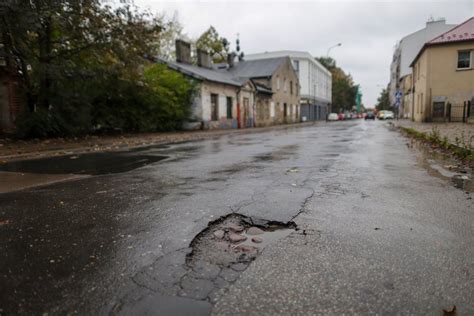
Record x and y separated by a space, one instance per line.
464 60
296 65
285 110
284 84
291 87
214 107
229 107
278 83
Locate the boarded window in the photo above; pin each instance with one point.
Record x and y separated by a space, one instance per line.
229 107
214 107
438 109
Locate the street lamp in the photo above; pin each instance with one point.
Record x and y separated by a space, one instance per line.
329 49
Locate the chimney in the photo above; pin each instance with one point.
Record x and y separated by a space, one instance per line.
203 59
183 52
230 59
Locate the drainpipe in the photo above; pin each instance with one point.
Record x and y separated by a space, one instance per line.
238 108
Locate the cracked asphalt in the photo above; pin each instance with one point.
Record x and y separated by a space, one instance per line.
377 232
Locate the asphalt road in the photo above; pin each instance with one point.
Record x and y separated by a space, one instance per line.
377 232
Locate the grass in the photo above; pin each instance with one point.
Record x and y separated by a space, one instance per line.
434 138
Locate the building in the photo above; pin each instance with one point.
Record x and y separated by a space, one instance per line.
315 82
443 76
239 95
275 77
404 53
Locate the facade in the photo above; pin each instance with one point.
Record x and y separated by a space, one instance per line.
239 95
315 82
443 76
404 53
277 84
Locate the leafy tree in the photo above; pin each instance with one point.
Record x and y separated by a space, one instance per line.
344 91
214 44
383 101
81 63
172 30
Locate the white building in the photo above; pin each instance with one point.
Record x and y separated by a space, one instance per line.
315 82
407 49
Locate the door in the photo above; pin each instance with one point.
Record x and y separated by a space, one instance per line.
246 112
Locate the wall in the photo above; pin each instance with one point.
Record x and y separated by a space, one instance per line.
443 81
202 107
420 79
411 44
282 95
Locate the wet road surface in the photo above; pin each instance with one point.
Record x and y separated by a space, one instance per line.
376 231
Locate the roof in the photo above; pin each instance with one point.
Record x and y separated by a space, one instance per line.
235 76
293 54
460 33
256 68
201 73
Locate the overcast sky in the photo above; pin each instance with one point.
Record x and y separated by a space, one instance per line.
368 30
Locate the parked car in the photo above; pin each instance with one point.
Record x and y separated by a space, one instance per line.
341 116
354 116
333 117
380 115
370 116
347 115
388 115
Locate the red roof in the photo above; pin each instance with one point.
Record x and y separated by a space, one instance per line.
460 33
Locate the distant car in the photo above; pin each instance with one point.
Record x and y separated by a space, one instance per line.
341 117
381 115
354 116
347 115
370 116
388 115
333 117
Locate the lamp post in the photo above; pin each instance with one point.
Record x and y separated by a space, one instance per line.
329 49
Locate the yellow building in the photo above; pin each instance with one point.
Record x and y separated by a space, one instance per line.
443 77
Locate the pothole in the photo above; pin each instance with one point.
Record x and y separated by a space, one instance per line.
215 258
236 238
226 248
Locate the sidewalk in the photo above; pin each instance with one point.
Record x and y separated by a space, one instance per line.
460 134
22 149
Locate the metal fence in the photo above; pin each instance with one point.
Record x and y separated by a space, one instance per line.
460 112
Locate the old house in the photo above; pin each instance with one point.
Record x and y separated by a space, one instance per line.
315 82
277 88
443 76
239 94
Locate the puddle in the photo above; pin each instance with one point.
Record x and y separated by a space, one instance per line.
444 166
89 164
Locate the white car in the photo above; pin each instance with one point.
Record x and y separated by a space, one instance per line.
333 117
388 115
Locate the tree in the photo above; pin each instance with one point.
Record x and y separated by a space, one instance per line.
344 91
172 30
214 44
383 101
66 52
